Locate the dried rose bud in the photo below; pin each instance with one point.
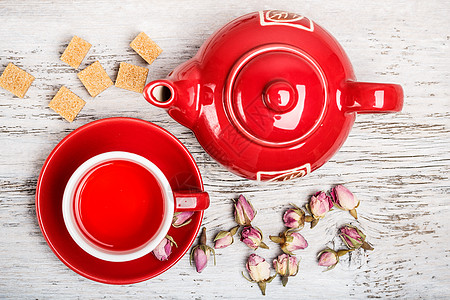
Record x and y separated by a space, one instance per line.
259 271
354 238
294 241
225 238
290 241
318 206
344 199
200 254
181 219
294 218
258 268
286 265
201 257
252 237
330 258
244 213
164 248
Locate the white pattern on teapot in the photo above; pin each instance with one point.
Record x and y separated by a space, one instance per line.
284 175
279 17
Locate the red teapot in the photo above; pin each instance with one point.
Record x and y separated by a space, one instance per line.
271 95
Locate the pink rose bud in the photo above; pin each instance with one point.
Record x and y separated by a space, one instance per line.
290 241
201 257
252 237
225 238
258 268
330 258
320 204
281 265
354 238
200 253
244 213
286 266
294 218
294 241
181 219
259 271
344 199
164 248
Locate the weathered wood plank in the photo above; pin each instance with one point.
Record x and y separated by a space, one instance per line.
397 164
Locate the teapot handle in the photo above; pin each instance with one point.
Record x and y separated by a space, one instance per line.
367 97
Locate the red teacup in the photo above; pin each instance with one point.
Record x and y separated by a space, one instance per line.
118 206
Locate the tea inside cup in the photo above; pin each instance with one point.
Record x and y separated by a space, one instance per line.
118 206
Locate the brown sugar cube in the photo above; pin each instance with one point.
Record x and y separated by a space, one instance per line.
75 52
145 47
131 77
95 79
16 80
67 104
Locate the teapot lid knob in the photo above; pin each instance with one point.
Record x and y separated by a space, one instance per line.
280 96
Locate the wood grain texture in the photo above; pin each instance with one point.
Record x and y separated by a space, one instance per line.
397 164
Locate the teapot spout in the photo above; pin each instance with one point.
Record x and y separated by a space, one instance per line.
160 93
180 99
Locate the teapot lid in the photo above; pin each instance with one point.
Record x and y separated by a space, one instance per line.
276 95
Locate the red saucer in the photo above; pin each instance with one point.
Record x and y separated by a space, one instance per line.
114 134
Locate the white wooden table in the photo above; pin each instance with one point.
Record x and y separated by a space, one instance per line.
397 164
